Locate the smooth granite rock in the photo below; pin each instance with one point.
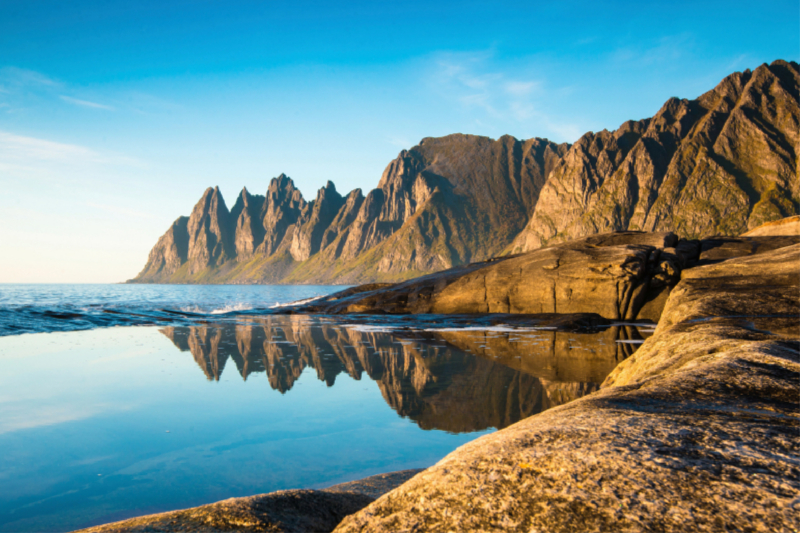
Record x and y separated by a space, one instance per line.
377 485
296 511
613 275
697 431
620 275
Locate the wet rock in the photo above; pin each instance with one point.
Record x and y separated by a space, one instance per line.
377 485
697 431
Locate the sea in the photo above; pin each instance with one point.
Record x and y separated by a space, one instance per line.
123 400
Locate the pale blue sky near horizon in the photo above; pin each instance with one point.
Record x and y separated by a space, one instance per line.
115 116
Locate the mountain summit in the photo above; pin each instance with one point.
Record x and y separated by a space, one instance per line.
721 164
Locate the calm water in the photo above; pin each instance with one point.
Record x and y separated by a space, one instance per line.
116 422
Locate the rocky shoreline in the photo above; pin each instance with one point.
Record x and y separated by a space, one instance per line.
696 431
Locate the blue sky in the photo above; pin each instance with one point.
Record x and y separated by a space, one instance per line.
115 116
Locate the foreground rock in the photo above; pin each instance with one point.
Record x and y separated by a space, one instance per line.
696 432
285 511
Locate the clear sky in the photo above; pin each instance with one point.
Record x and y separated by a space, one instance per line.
116 115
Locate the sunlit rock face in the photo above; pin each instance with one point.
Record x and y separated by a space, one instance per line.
718 165
459 381
621 275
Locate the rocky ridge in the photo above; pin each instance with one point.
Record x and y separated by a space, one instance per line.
718 165
429 212
620 276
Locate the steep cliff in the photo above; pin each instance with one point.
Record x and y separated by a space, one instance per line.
721 164
445 202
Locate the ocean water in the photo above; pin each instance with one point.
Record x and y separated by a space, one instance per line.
39 308
202 393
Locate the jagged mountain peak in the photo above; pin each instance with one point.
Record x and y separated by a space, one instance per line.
718 164
721 163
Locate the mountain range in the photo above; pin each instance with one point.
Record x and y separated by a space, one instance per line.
718 165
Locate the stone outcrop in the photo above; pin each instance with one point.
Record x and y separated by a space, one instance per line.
208 229
697 431
784 226
621 276
287 511
718 165
170 252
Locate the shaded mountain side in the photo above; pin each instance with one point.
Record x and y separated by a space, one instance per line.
721 164
445 202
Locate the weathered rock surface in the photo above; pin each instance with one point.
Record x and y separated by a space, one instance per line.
718 165
445 202
169 253
300 511
377 485
613 275
784 226
697 431
621 275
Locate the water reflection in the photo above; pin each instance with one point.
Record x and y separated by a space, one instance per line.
457 380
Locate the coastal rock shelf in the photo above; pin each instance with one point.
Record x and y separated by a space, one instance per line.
623 275
697 431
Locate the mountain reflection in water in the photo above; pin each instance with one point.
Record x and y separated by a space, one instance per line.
457 380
